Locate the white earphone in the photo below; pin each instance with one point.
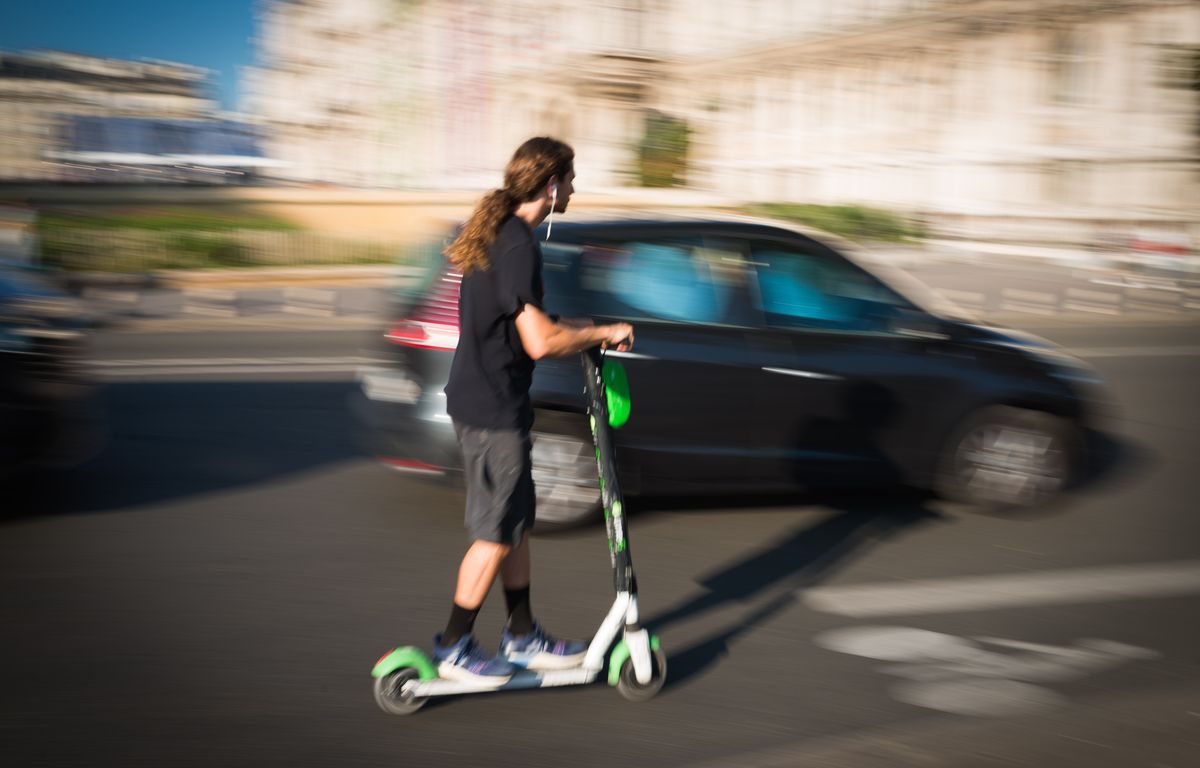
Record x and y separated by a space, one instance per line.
553 205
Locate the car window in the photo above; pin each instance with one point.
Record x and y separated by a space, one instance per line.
663 280
678 280
560 277
803 289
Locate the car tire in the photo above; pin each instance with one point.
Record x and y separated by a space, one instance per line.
1004 459
566 481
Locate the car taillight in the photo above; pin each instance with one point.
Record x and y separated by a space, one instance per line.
410 333
434 322
413 466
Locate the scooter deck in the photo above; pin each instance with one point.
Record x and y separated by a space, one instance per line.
524 678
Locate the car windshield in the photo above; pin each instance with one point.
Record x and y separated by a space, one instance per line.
903 283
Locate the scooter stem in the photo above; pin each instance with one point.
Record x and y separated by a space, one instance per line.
610 486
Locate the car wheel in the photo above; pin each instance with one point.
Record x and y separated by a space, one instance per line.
1006 459
566 479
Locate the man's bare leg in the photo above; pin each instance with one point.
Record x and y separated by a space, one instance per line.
480 565
477 572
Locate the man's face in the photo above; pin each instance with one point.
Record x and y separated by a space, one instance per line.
566 188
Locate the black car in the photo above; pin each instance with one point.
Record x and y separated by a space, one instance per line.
767 359
48 413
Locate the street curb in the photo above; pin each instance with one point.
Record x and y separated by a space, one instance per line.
110 289
279 277
256 277
281 322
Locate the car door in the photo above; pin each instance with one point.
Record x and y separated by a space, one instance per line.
845 382
687 370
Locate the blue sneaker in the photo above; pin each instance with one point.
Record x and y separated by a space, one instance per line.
539 651
466 661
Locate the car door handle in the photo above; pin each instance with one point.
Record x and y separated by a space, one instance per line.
628 355
803 374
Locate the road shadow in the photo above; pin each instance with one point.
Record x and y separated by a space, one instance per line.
1111 458
776 575
808 556
172 440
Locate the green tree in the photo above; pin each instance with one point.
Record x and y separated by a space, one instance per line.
662 154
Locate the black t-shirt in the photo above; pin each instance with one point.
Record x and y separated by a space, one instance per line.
491 373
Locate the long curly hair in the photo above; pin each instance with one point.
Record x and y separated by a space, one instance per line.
531 166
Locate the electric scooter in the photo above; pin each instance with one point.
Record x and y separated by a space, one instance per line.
406 678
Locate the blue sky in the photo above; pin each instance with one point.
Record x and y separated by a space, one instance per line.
215 34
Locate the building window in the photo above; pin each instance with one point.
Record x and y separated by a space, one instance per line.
1068 67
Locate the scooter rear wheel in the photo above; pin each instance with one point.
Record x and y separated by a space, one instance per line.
628 685
390 697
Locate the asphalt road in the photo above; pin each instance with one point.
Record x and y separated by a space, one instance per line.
1004 289
214 587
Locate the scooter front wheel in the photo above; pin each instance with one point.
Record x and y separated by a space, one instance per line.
628 685
389 694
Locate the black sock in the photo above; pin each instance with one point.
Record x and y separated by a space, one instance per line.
520 618
462 621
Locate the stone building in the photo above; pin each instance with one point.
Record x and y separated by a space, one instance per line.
41 91
977 114
1020 114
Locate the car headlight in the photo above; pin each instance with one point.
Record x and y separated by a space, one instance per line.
1066 367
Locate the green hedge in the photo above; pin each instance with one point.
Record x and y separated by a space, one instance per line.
148 238
142 250
855 222
166 219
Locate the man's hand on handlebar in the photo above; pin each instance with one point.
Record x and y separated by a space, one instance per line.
619 337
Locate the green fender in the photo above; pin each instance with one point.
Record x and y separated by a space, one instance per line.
406 656
619 654
616 392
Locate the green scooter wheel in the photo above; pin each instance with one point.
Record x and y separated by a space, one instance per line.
390 696
628 685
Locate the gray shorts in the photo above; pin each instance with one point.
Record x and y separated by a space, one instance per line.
498 471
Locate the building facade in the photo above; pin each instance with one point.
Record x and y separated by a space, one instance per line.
974 110
395 94
959 110
40 92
